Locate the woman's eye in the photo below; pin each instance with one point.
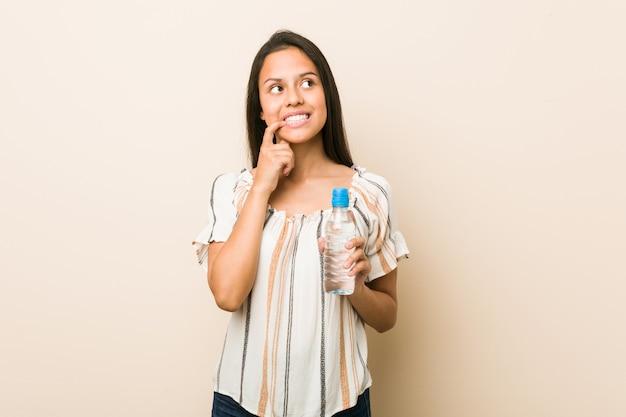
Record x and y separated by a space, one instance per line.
307 83
276 89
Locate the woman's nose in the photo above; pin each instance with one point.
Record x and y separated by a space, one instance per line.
293 97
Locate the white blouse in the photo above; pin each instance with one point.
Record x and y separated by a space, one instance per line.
292 349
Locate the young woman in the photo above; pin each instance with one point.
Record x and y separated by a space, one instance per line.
292 349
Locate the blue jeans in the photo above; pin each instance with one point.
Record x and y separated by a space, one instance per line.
224 406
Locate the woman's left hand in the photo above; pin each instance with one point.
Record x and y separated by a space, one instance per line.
361 266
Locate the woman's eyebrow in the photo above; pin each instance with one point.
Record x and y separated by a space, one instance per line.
277 80
304 74
272 80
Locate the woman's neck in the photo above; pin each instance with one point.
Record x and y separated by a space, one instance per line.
309 161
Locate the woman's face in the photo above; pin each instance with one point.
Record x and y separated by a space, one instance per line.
290 90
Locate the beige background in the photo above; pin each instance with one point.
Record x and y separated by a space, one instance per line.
499 124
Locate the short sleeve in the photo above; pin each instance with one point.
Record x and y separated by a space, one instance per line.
221 217
377 221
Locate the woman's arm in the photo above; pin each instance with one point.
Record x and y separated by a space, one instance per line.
232 265
376 302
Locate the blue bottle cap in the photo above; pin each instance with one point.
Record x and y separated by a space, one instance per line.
340 197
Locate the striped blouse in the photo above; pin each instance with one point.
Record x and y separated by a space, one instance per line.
292 349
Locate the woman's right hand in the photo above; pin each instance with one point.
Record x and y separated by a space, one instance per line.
275 159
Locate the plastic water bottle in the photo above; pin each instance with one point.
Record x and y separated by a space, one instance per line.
340 228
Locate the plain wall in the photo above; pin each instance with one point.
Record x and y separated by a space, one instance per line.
499 124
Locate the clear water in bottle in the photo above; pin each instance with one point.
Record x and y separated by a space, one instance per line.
340 228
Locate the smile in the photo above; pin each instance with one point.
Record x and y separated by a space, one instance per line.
297 118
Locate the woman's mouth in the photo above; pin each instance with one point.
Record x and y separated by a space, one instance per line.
296 119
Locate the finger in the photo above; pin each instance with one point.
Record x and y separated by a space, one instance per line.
356 242
270 131
289 167
357 256
354 258
362 267
289 161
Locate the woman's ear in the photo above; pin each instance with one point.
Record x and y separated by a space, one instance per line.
262 118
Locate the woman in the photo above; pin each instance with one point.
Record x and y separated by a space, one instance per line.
292 349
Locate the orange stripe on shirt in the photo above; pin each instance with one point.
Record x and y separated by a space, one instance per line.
272 275
289 245
380 237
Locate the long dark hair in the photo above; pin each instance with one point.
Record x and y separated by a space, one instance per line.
333 133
